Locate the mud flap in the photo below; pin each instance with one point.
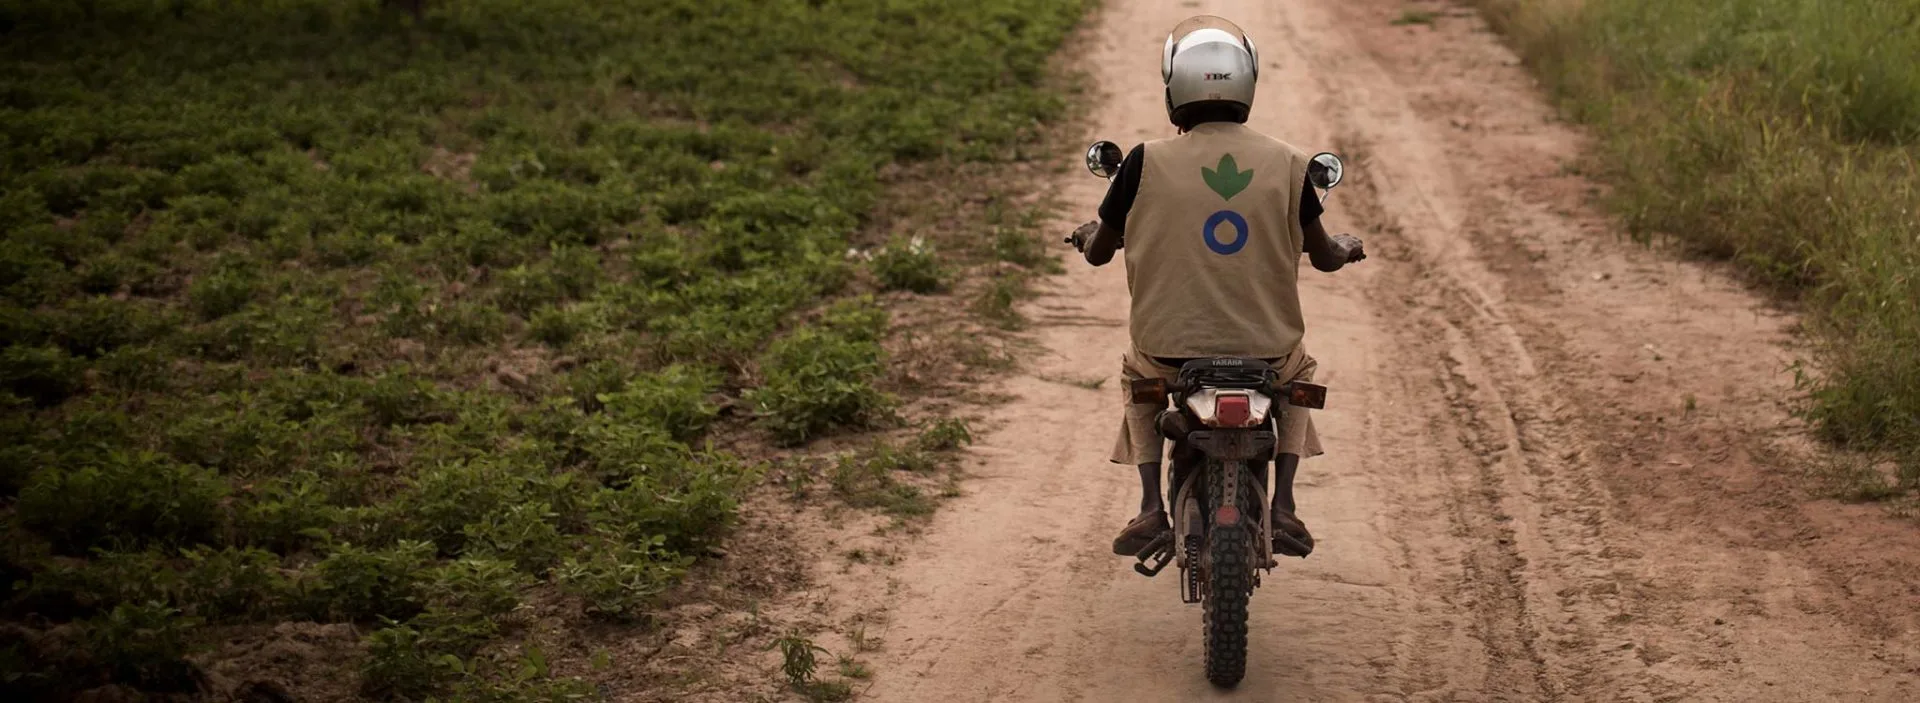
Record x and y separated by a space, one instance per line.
1234 445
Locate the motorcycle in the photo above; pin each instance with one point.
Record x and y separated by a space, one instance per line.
1222 417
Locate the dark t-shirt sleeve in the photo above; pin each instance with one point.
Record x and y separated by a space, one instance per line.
1126 187
1310 208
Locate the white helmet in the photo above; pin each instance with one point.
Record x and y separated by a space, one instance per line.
1208 60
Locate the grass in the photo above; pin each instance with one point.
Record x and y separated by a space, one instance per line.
314 311
1780 135
1413 17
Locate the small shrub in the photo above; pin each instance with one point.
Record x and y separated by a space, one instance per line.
286 513
97 325
287 332
559 326
1018 245
109 273
524 288
443 499
908 265
233 584
468 323
223 292
145 645
797 657
621 452
45 375
691 506
587 382
799 663
817 380
944 435
354 583
250 434
124 499
867 482
18 457
77 589
617 580
136 369
859 319
884 456
477 586
523 533
397 397
674 399
996 302
552 212
526 680
400 665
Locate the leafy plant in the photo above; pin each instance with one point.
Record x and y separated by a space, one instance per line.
355 583
145 645
674 399
400 664
908 264
44 374
797 660
233 584
818 379
122 499
865 480
944 435
523 533
617 580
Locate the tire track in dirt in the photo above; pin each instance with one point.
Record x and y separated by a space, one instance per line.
1474 545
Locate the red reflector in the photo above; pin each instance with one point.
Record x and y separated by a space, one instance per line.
1233 410
1226 515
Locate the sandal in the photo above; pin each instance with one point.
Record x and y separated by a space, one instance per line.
1140 533
1290 535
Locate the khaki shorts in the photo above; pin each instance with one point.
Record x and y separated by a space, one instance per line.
1140 441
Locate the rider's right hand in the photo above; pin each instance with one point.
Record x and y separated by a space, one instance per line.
1079 237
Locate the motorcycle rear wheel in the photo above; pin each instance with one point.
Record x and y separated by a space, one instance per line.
1229 585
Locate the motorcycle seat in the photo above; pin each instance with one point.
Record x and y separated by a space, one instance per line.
1216 362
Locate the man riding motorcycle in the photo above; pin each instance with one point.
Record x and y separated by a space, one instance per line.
1213 222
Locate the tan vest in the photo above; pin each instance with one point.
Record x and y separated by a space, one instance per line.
1213 245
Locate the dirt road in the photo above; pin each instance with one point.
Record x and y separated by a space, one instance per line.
1560 467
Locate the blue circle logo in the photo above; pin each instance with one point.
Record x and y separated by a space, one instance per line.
1240 232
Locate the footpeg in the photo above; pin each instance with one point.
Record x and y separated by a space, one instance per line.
1155 555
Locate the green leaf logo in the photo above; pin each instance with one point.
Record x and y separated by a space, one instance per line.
1227 179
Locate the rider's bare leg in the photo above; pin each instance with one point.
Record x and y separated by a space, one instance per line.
1150 489
1290 534
1140 532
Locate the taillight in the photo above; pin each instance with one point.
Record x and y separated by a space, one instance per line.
1215 407
1234 410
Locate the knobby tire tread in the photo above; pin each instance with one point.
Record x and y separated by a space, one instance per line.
1229 586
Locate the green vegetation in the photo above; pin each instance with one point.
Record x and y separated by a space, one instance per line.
908 265
798 663
1413 17
313 310
1780 134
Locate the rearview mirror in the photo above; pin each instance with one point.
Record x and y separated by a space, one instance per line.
1103 158
1324 171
